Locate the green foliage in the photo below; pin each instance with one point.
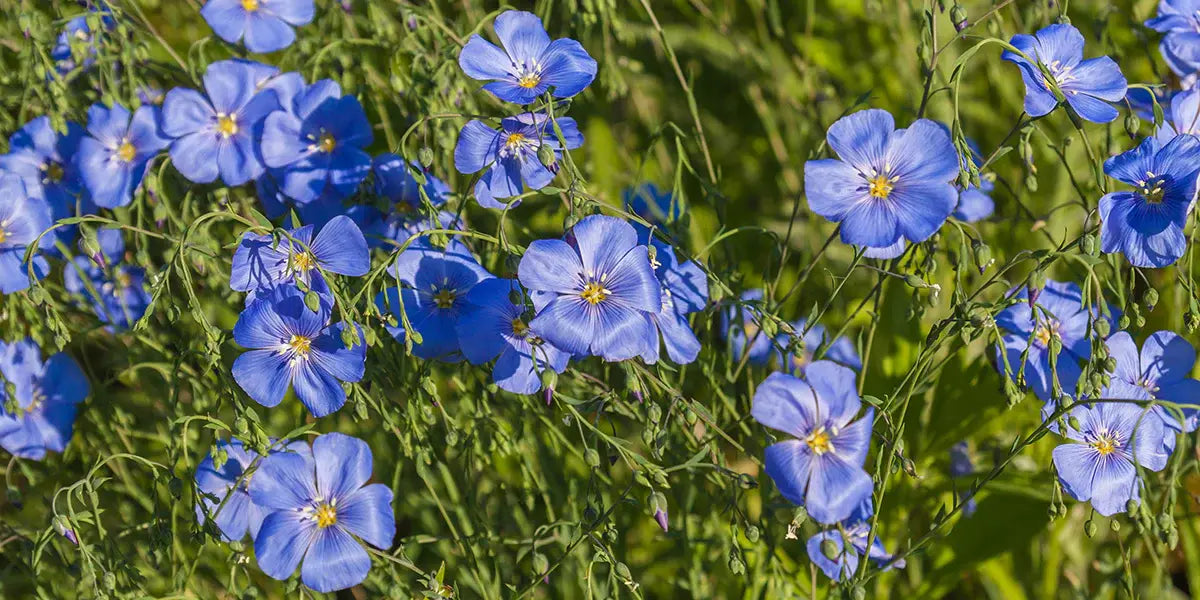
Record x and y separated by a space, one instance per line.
506 496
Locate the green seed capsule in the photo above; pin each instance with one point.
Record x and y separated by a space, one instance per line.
830 549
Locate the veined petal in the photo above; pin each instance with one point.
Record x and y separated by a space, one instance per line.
318 390
335 561
567 322
833 187
836 488
282 541
522 34
343 465
481 59
789 465
264 375
787 404
861 138
284 481
551 265
367 513
341 248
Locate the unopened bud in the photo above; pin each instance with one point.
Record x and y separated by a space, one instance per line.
958 16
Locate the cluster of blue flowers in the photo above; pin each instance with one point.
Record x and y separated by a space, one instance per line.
303 506
609 287
1045 342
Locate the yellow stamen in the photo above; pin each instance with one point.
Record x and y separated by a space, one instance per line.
300 345
1105 445
444 298
529 80
514 140
54 172
325 516
818 441
303 261
3 235
881 186
519 327
250 5
594 293
226 125
126 152
327 143
799 361
1042 335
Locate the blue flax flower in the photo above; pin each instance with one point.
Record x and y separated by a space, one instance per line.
112 157
1057 313
975 203
318 506
264 25
44 159
45 397
292 346
890 185
821 469
435 281
122 294
510 155
492 327
742 322
1087 85
317 145
260 262
123 297
79 34
395 182
1160 371
530 64
1146 223
850 545
1100 463
1181 117
215 132
22 219
684 291
655 206
398 224
961 465
1142 100
225 493
1180 47
595 291
840 350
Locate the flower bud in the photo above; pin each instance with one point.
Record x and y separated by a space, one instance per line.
546 156
800 516
623 571
958 16
591 457
660 516
1087 244
1132 122
830 549
1150 298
